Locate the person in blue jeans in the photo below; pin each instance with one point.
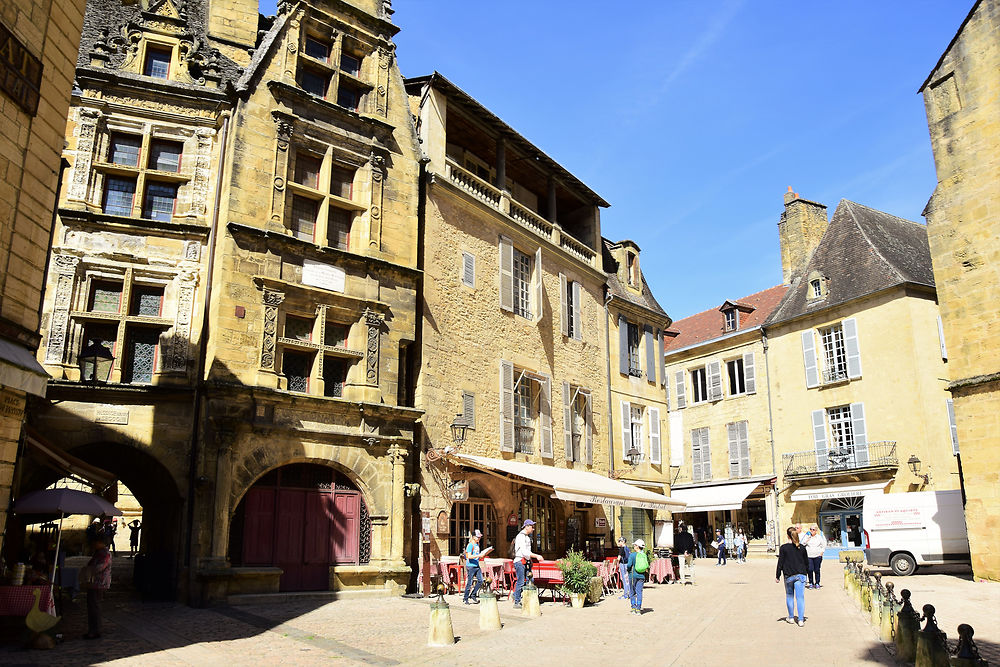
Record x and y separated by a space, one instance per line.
472 570
720 540
636 579
623 554
793 564
523 556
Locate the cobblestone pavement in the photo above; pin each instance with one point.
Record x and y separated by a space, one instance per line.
736 612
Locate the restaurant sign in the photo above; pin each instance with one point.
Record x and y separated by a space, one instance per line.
20 72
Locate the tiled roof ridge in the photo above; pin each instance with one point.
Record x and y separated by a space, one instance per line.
885 213
715 308
861 228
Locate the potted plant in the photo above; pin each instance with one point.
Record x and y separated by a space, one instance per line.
577 572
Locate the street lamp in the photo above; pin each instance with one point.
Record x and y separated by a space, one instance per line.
90 360
458 429
914 463
634 457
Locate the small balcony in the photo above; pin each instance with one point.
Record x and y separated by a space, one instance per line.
524 439
880 456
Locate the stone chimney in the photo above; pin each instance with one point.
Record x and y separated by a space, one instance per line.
800 229
234 23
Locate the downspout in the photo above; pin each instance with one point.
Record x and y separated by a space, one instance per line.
770 432
199 385
607 359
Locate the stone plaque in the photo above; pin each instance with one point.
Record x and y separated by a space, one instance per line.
322 275
111 414
20 72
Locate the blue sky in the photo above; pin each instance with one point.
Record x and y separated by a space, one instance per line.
692 118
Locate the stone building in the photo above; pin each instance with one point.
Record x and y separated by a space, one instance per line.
38 47
720 451
856 367
238 229
962 99
512 338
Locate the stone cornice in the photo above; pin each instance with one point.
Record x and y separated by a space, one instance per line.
120 222
374 125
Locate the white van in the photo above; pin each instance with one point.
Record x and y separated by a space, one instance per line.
906 530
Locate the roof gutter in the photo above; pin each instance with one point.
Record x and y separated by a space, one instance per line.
732 334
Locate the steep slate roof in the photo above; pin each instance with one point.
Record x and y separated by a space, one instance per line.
711 323
619 291
863 251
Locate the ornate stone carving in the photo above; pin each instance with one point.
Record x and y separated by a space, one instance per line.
84 154
271 302
202 171
375 206
374 323
181 341
192 250
65 267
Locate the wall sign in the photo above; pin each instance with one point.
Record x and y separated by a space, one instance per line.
442 523
323 275
20 72
600 522
111 414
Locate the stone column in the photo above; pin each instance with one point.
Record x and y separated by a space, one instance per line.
77 189
268 376
180 342
397 455
285 127
65 269
377 163
373 335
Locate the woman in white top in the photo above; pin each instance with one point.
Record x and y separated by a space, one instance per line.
815 545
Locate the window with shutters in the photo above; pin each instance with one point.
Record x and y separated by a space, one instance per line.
578 426
739 449
572 309
701 455
522 284
699 385
525 408
834 354
737 377
635 414
468 269
577 423
634 362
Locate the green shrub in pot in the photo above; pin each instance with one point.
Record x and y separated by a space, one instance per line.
577 572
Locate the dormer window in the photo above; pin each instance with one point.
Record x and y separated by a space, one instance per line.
632 265
732 319
157 63
816 288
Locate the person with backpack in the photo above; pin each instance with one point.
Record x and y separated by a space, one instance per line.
638 566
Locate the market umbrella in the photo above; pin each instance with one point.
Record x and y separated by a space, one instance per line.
63 502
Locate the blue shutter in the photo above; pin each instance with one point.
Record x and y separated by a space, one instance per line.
809 358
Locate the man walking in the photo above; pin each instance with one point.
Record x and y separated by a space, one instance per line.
683 541
99 571
523 557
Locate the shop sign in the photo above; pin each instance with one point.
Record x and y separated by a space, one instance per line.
600 522
512 519
897 517
840 493
20 72
442 523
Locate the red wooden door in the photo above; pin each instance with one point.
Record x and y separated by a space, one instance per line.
289 542
258 527
316 549
345 527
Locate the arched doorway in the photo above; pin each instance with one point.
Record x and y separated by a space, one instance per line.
303 518
475 513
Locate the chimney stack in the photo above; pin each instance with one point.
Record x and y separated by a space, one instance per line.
800 230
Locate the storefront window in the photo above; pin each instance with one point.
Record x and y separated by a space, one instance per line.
538 507
476 513
840 520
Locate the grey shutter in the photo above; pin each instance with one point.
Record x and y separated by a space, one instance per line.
944 350
539 293
568 421
679 381
506 406
661 338
696 455
626 413
819 439
852 348
743 436
714 381
860 435
809 358
734 450
654 435
589 432
954 426
469 409
706 455
622 345
650 354
577 320
468 269
545 415
506 274
749 373
564 305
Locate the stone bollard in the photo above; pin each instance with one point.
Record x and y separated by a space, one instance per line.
858 586
441 632
887 628
907 626
489 611
878 595
529 601
932 644
967 653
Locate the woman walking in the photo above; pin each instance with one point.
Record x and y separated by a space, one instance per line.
740 542
623 555
815 546
638 565
473 574
792 564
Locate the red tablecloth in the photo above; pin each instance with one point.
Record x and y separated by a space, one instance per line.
661 569
18 600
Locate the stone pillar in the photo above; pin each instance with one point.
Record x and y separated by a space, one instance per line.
77 188
397 455
373 335
180 342
377 163
285 127
268 376
223 486
65 269
501 163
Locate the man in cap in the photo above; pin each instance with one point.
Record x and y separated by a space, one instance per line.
523 557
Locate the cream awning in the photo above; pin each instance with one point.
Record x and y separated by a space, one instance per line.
715 497
51 456
20 370
574 485
822 492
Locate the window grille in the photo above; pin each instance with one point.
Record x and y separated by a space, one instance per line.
303 222
307 169
524 418
296 367
105 297
147 301
334 375
141 358
298 328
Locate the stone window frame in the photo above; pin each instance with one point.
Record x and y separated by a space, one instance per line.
340 43
331 157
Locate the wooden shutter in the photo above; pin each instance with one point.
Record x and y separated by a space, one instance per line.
468 269
626 413
469 409
588 434
654 435
650 354
819 439
860 435
564 314
506 406
506 274
734 450
852 348
944 350
679 382
743 436
545 415
809 358
577 320
568 420
622 345
696 470
661 338
539 294
954 426
714 381
706 455
749 373
676 421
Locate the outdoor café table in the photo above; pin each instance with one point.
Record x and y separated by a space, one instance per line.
546 574
661 569
18 600
493 569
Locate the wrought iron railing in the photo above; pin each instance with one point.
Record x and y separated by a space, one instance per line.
833 375
524 439
880 454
